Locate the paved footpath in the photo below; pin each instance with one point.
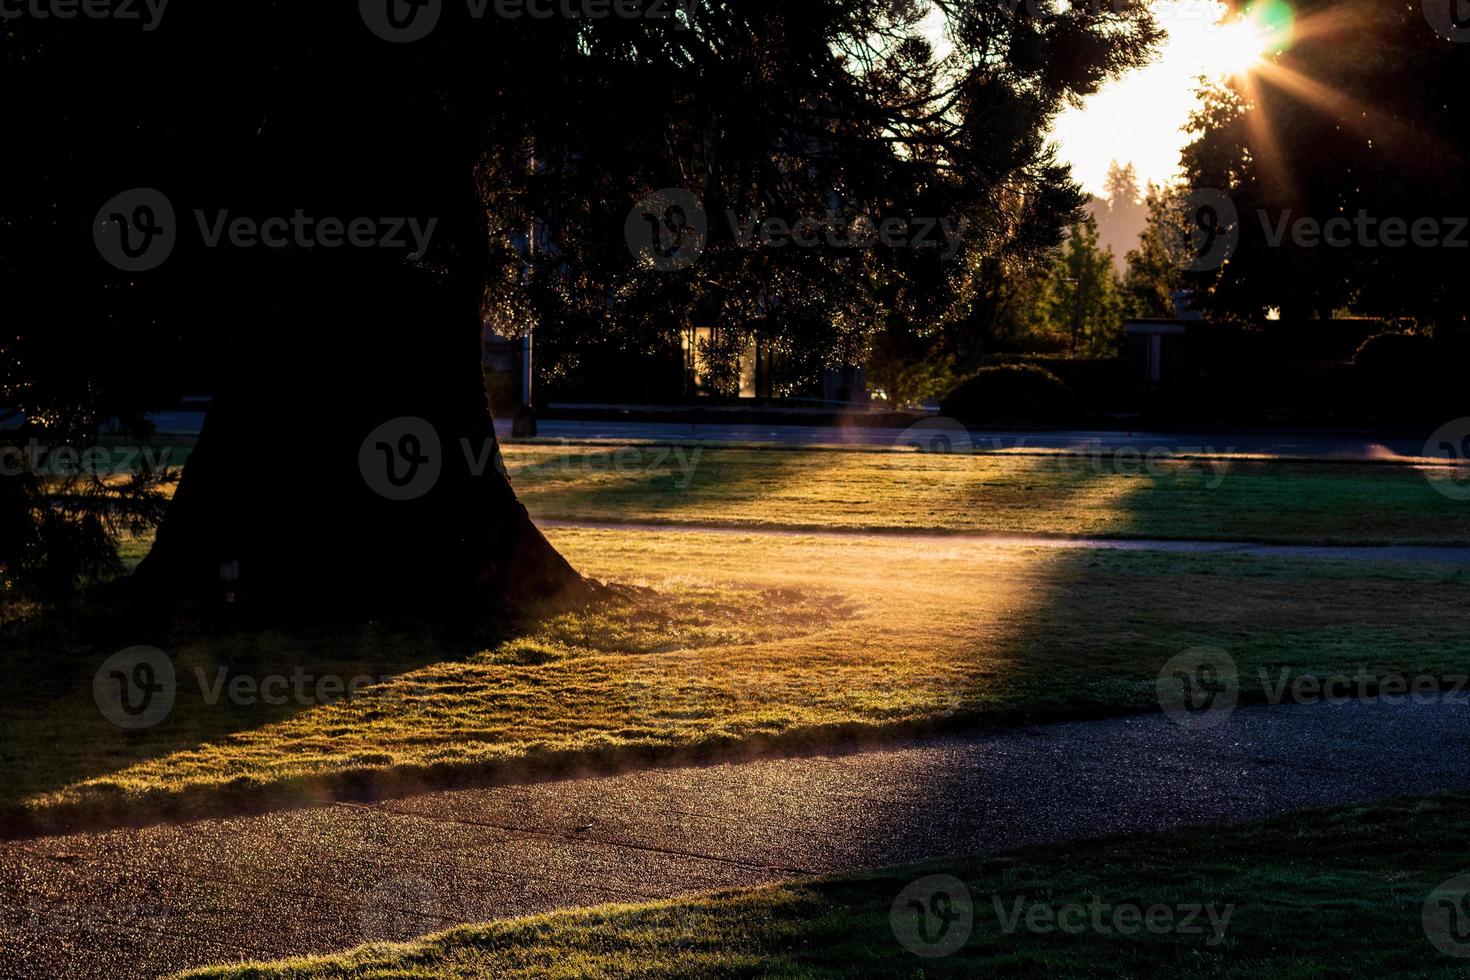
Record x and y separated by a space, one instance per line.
140 902
1438 554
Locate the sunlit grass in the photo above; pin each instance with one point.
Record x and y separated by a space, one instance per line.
738 639
734 640
1229 499
754 639
611 674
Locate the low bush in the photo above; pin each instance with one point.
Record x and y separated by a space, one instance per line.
1011 391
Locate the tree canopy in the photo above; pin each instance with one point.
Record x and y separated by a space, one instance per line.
485 128
1357 123
762 108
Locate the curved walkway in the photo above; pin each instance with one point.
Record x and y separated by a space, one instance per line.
140 902
1448 555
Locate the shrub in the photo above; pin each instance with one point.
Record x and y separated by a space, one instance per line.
1395 356
1011 391
1401 376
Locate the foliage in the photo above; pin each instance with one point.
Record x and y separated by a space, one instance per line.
1076 305
1395 354
909 369
528 142
968 147
1011 391
1361 116
62 512
1154 267
1410 375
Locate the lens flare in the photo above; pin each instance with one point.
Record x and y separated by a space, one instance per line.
1243 43
1277 21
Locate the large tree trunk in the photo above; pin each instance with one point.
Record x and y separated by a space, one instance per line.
288 496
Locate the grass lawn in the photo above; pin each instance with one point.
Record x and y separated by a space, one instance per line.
1337 893
1221 499
750 639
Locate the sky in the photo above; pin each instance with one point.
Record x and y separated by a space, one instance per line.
1140 117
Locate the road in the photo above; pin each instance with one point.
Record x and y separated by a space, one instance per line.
139 902
1286 445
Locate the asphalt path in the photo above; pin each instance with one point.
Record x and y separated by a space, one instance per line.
1282 445
1436 554
144 901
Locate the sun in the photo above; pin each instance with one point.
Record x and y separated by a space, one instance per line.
1144 116
1235 48
1240 44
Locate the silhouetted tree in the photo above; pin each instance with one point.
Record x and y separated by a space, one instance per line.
1361 116
1121 213
489 129
1155 266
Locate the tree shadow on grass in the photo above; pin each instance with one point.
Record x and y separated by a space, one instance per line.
1080 634
59 719
1102 625
691 484
267 719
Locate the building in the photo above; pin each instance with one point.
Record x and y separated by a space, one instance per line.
722 363
718 362
1157 350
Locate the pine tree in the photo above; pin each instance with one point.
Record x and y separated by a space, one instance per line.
1083 300
1122 214
1154 266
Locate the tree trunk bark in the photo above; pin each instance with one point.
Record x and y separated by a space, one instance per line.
350 458
344 492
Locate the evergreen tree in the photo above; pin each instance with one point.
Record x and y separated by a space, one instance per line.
1154 266
1360 122
1122 214
1083 299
